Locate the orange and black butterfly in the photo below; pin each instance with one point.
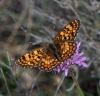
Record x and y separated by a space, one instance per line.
48 57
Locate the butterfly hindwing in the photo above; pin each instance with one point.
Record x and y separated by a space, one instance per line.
66 49
49 61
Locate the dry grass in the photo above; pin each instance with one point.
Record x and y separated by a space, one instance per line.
23 21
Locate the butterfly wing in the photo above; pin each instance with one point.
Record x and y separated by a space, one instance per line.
49 61
32 59
64 41
68 32
66 49
42 58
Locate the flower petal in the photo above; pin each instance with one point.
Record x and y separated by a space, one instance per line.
66 72
84 64
84 58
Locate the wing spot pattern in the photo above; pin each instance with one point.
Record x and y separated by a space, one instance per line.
47 59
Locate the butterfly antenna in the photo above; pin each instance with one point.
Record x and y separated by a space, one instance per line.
52 32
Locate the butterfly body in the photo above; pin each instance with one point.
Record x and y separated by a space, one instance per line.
54 50
52 55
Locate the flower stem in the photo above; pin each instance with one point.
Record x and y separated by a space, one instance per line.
75 81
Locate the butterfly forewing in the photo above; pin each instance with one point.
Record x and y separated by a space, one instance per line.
68 32
31 59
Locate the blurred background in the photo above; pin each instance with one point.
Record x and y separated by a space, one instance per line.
38 21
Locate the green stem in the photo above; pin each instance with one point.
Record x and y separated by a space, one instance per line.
75 81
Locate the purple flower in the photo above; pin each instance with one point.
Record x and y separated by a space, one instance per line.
76 58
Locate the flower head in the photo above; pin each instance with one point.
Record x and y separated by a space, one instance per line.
76 58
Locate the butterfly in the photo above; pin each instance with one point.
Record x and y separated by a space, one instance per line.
52 55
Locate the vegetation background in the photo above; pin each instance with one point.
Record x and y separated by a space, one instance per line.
38 21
